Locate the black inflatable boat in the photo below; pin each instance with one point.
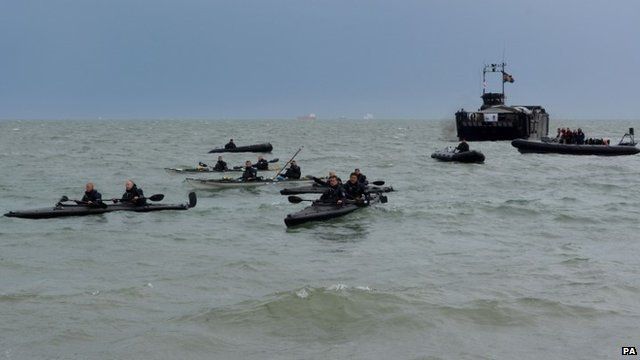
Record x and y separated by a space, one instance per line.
319 189
463 157
626 146
258 148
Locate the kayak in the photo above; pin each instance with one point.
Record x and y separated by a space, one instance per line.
319 189
61 210
259 148
526 146
463 157
235 183
319 211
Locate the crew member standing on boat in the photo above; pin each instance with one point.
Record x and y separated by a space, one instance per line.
463 146
91 195
230 145
221 165
250 173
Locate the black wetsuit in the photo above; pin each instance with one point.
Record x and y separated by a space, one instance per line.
220 166
354 191
230 146
94 196
362 179
293 172
249 174
262 165
333 194
134 192
463 147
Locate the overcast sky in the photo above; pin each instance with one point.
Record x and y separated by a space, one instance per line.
286 58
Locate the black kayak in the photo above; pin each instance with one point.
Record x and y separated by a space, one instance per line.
319 189
526 146
258 148
61 210
319 211
200 170
463 157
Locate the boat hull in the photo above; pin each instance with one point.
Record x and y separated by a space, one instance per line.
526 146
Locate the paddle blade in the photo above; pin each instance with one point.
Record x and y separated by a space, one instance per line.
64 198
156 197
378 183
294 199
274 160
237 167
383 199
193 200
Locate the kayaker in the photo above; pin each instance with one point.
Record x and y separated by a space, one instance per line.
221 165
353 188
361 178
91 195
132 194
230 145
334 193
326 183
463 146
293 171
250 173
262 163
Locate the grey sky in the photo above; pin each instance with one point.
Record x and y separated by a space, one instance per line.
282 59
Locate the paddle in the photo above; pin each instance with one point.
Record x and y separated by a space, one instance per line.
289 162
100 204
270 162
156 197
378 183
296 199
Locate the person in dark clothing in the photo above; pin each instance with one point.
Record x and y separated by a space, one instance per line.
463 146
293 172
91 195
221 165
353 188
132 194
326 183
230 145
579 137
262 164
361 178
334 193
250 173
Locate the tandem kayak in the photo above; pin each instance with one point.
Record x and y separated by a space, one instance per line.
235 183
258 148
319 211
319 189
463 157
527 146
61 210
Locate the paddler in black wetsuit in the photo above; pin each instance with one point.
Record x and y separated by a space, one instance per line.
353 188
293 172
220 165
463 146
250 173
230 145
262 163
361 178
91 195
326 183
132 194
334 193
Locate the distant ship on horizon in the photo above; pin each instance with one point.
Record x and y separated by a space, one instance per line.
311 116
367 116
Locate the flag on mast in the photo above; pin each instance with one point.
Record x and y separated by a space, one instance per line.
507 77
